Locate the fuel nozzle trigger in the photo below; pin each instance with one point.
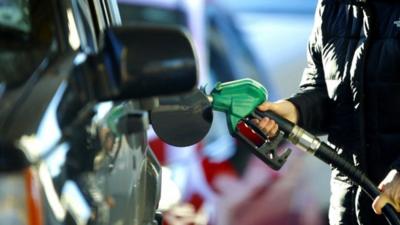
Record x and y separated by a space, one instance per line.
265 148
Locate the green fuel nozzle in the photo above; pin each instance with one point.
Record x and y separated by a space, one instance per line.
239 100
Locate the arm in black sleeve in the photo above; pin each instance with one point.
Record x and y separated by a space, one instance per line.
396 165
312 101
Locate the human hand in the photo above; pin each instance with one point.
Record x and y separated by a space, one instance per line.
283 108
390 188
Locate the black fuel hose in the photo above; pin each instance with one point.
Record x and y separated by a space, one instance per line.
324 152
328 155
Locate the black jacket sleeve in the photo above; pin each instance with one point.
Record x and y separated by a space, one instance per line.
312 101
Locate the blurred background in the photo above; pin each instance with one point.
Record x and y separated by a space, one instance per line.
218 181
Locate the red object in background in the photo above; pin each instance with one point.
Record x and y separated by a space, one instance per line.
159 150
35 213
212 170
196 200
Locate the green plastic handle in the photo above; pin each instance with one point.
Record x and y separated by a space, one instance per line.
238 99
